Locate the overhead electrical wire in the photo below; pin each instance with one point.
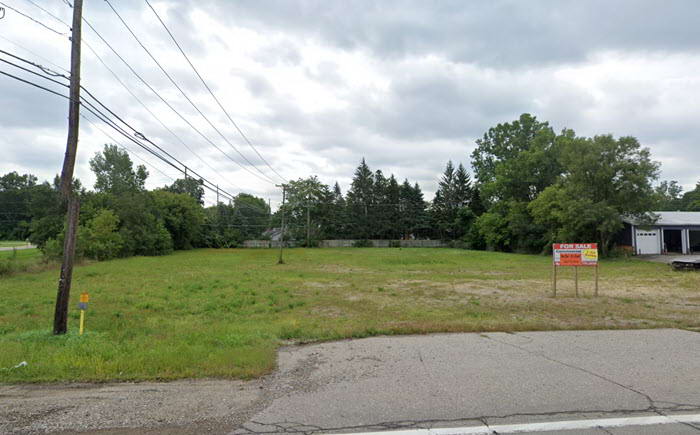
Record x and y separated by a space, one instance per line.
35 20
99 58
189 100
154 116
35 54
92 109
120 145
211 92
160 97
100 115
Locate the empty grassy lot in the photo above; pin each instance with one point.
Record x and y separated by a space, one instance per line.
222 313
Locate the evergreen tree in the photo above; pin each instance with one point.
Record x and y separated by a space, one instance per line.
391 209
414 220
337 220
380 207
454 194
360 199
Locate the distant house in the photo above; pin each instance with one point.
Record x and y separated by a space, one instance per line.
673 232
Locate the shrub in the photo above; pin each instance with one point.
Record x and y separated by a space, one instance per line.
101 240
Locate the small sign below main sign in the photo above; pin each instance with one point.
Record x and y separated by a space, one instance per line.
575 254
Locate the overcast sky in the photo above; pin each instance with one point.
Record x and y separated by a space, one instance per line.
317 85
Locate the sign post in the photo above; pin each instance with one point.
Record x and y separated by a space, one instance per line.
84 299
574 255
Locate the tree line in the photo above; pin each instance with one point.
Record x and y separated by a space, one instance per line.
529 187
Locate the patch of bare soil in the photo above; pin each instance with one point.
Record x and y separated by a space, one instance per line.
325 284
336 268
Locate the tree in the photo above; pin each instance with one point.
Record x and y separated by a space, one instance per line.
360 199
513 163
337 215
100 238
691 199
189 186
182 216
604 180
114 171
454 194
414 217
307 208
16 197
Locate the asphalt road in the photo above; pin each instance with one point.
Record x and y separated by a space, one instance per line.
420 385
486 380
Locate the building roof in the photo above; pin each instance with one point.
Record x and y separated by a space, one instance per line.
670 218
678 217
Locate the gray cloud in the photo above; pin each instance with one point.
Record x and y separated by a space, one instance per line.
497 33
405 84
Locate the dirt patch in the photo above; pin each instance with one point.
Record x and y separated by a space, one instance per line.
336 268
325 284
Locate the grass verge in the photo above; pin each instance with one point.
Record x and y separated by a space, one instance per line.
223 313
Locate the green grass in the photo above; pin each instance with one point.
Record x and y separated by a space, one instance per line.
223 313
21 260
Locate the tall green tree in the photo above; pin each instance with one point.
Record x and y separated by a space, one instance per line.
337 227
454 194
691 199
115 172
16 201
182 216
360 202
415 221
604 180
190 186
307 209
513 163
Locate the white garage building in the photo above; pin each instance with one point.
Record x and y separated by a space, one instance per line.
675 232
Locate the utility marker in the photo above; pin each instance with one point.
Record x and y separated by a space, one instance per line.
82 305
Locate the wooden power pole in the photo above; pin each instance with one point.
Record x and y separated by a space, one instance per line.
60 321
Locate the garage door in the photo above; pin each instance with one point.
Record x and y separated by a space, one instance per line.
648 242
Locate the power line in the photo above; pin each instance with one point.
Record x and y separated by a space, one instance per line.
212 93
48 13
157 94
99 58
116 142
267 179
120 82
35 20
100 115
34 54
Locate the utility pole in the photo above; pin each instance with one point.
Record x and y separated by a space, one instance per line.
284 194
60 320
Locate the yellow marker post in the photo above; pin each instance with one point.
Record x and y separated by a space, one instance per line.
84 299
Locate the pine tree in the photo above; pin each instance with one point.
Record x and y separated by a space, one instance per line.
337 226
391 209
360 199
